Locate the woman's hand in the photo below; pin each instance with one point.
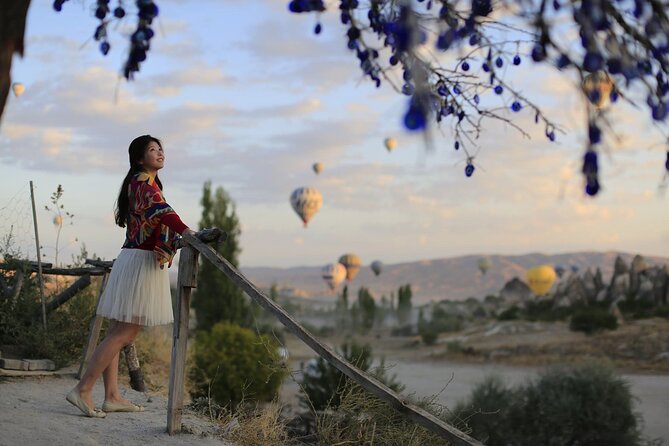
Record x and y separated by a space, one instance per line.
189 231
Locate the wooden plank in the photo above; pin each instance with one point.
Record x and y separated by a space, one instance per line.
94 331
100 263
80 271
369 383
185 283
67 294
207 236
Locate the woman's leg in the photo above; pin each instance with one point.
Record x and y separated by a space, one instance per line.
110 378
119 335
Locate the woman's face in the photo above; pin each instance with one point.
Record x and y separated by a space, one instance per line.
154 157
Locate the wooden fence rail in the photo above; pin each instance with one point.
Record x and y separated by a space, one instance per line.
186 281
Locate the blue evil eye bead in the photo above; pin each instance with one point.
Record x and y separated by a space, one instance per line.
563 61
469 170
516 106
393 60
594 133
456 89
100 12
104 48
592 187
119 12
456 146
465 66
461 115
593 61
613 96
538 53
408 89
477 99
516 59
659 111
499 62
666 163
58 5
415 119
556 5
590 166
318 28
485 67
473 39
551 135
442 90
499 89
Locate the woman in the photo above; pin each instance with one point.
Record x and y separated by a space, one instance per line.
138 291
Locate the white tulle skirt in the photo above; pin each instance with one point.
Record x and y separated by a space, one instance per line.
137 290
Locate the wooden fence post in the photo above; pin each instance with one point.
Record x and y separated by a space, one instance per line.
94 331
186 282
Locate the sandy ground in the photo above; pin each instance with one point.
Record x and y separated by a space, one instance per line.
33 411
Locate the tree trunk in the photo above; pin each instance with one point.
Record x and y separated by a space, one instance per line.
13 15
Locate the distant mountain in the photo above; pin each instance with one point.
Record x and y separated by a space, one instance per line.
451 278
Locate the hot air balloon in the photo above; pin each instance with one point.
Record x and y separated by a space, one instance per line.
18 88
318 167
484 265
559 269
306 201
574 269
352 264
333 274
597 87
390 144
540 279
58 220
377 267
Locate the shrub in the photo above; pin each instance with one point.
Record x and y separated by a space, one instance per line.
586 405
662 311
233 364
592 319
487 411
323 384
510 314
67 326
429 336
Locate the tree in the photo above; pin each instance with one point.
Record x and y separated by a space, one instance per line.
620 41
341 308
404 295
367 307
216 298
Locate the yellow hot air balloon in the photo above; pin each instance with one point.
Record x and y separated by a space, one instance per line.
58 220
18 88
318 167
333 274
540 279
352 263
484 265
306 201
601 83
390 144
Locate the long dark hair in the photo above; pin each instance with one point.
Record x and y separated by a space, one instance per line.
136 152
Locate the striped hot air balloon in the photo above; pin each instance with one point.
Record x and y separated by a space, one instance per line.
333 274
306 201
352 263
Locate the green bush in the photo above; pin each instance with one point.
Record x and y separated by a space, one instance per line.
510 314
592 319
637 309
429 336
323 384
586 405
67 327
233 364
662 311
487 411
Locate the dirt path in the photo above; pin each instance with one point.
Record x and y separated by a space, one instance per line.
33 411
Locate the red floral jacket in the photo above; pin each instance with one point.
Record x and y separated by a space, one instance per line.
152 223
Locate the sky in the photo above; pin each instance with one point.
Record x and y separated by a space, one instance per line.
245 95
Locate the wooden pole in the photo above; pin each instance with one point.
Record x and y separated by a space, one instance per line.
186 282
367 382
69 292
94 331
134 368
39 257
